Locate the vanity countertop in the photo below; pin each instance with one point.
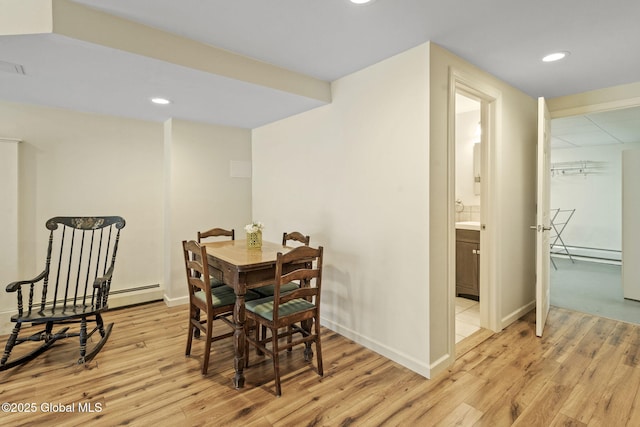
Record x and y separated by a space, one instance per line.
468 225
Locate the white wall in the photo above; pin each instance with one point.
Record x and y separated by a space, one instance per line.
354 176
510 203
362 176
365 176
84 164
8 217
200 193
597 199
72 163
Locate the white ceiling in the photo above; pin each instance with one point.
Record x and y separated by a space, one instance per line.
325 39
604 128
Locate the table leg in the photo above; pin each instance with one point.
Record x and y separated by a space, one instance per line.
239 341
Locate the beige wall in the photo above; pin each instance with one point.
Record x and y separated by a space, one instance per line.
83 164
74 163
367 177
200 193
508 245
354 176
604 99
25 17
8 216
363 176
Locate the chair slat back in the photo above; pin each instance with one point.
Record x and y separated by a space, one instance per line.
80 249
196 270
216 232
295 236
302 264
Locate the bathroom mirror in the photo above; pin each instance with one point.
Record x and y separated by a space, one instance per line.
476 168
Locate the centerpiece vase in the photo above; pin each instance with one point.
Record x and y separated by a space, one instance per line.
254 240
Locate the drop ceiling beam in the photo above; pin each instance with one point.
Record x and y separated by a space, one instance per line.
64 17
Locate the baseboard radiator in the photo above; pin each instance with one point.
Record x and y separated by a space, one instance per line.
118 298
137 295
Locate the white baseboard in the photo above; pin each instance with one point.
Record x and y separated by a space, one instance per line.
516 314
409 362
441 365
173 302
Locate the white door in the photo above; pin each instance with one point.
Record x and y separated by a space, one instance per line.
543 223
630 226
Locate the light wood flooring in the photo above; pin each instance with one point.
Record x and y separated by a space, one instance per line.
585 371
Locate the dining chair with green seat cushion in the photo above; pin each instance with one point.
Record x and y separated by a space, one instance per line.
225 295
267 290
298 310
213 304
216 276
264 307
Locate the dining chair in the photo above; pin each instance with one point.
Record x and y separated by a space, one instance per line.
215 303
298 309
267 290
216 275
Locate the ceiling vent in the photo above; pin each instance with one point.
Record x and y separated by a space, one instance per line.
10 67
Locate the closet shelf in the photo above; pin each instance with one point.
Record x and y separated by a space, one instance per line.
578 167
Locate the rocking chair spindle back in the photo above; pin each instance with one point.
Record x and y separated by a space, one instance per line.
73 288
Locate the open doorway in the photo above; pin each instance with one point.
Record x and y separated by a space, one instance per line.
489 292
468 175
586 182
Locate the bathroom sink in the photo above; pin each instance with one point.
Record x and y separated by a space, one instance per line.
468 225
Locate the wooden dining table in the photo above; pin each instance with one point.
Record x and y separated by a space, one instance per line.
242 268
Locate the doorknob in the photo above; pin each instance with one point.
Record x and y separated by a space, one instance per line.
539 227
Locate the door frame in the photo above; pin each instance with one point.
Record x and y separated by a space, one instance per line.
490 99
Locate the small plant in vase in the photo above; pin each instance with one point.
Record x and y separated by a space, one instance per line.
254 234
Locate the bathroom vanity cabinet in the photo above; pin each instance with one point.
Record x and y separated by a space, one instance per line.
468 263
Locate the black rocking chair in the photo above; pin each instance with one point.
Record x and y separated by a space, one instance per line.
73 288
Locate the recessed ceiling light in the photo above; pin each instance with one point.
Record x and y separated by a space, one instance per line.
160 101
361 1
556 56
